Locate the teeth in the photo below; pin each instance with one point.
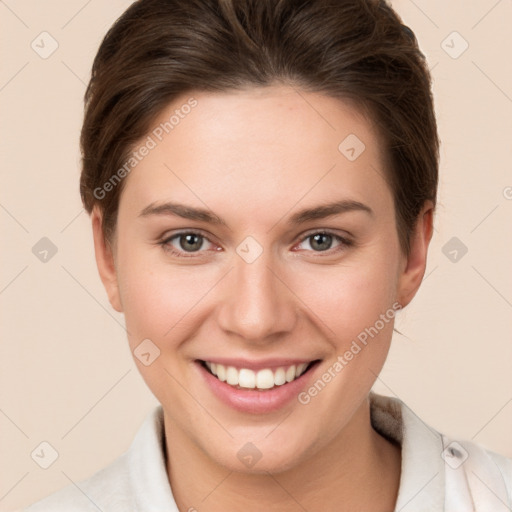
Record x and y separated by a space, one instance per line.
290 374
246 378
220 372
280 377
232 376
300 369
265 379
262 379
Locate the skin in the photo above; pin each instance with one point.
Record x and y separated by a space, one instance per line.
254 158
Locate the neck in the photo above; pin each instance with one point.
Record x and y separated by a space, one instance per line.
357 470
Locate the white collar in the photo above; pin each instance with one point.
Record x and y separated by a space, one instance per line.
137 481
422 478
422 472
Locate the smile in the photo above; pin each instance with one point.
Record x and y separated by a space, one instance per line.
256 387
263 379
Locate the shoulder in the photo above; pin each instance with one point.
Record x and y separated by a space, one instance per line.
482 476
438 472
136 480
107 489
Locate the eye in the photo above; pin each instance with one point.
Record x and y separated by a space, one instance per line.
322 241
186 242
193 243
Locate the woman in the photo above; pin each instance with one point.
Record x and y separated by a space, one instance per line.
261 177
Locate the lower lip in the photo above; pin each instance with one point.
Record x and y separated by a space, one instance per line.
252 400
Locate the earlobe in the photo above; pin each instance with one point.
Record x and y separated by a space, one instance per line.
105 261
414 269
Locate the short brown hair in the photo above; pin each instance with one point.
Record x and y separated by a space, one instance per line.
357 50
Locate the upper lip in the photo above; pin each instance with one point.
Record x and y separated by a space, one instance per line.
260 364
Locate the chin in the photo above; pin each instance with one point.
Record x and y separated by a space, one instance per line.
260 454
273 463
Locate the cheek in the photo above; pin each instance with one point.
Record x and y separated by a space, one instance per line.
355 308
351 297
159 300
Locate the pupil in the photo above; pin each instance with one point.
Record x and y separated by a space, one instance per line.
321 241
190 242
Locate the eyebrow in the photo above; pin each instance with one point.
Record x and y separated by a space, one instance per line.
181 210
301 217
329 209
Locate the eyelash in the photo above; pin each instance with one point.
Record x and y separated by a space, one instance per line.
165 243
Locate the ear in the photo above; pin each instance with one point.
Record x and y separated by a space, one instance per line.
105 261
415 264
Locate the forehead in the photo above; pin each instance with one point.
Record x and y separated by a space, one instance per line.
257 147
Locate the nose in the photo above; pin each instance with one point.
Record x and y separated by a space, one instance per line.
257 304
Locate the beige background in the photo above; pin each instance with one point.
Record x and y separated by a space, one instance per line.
66 373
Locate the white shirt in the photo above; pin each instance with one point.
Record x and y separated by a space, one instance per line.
437 474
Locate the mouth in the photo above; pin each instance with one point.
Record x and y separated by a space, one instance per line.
257 387
262 387
263 379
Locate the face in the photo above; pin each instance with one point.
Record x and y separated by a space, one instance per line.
257 241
